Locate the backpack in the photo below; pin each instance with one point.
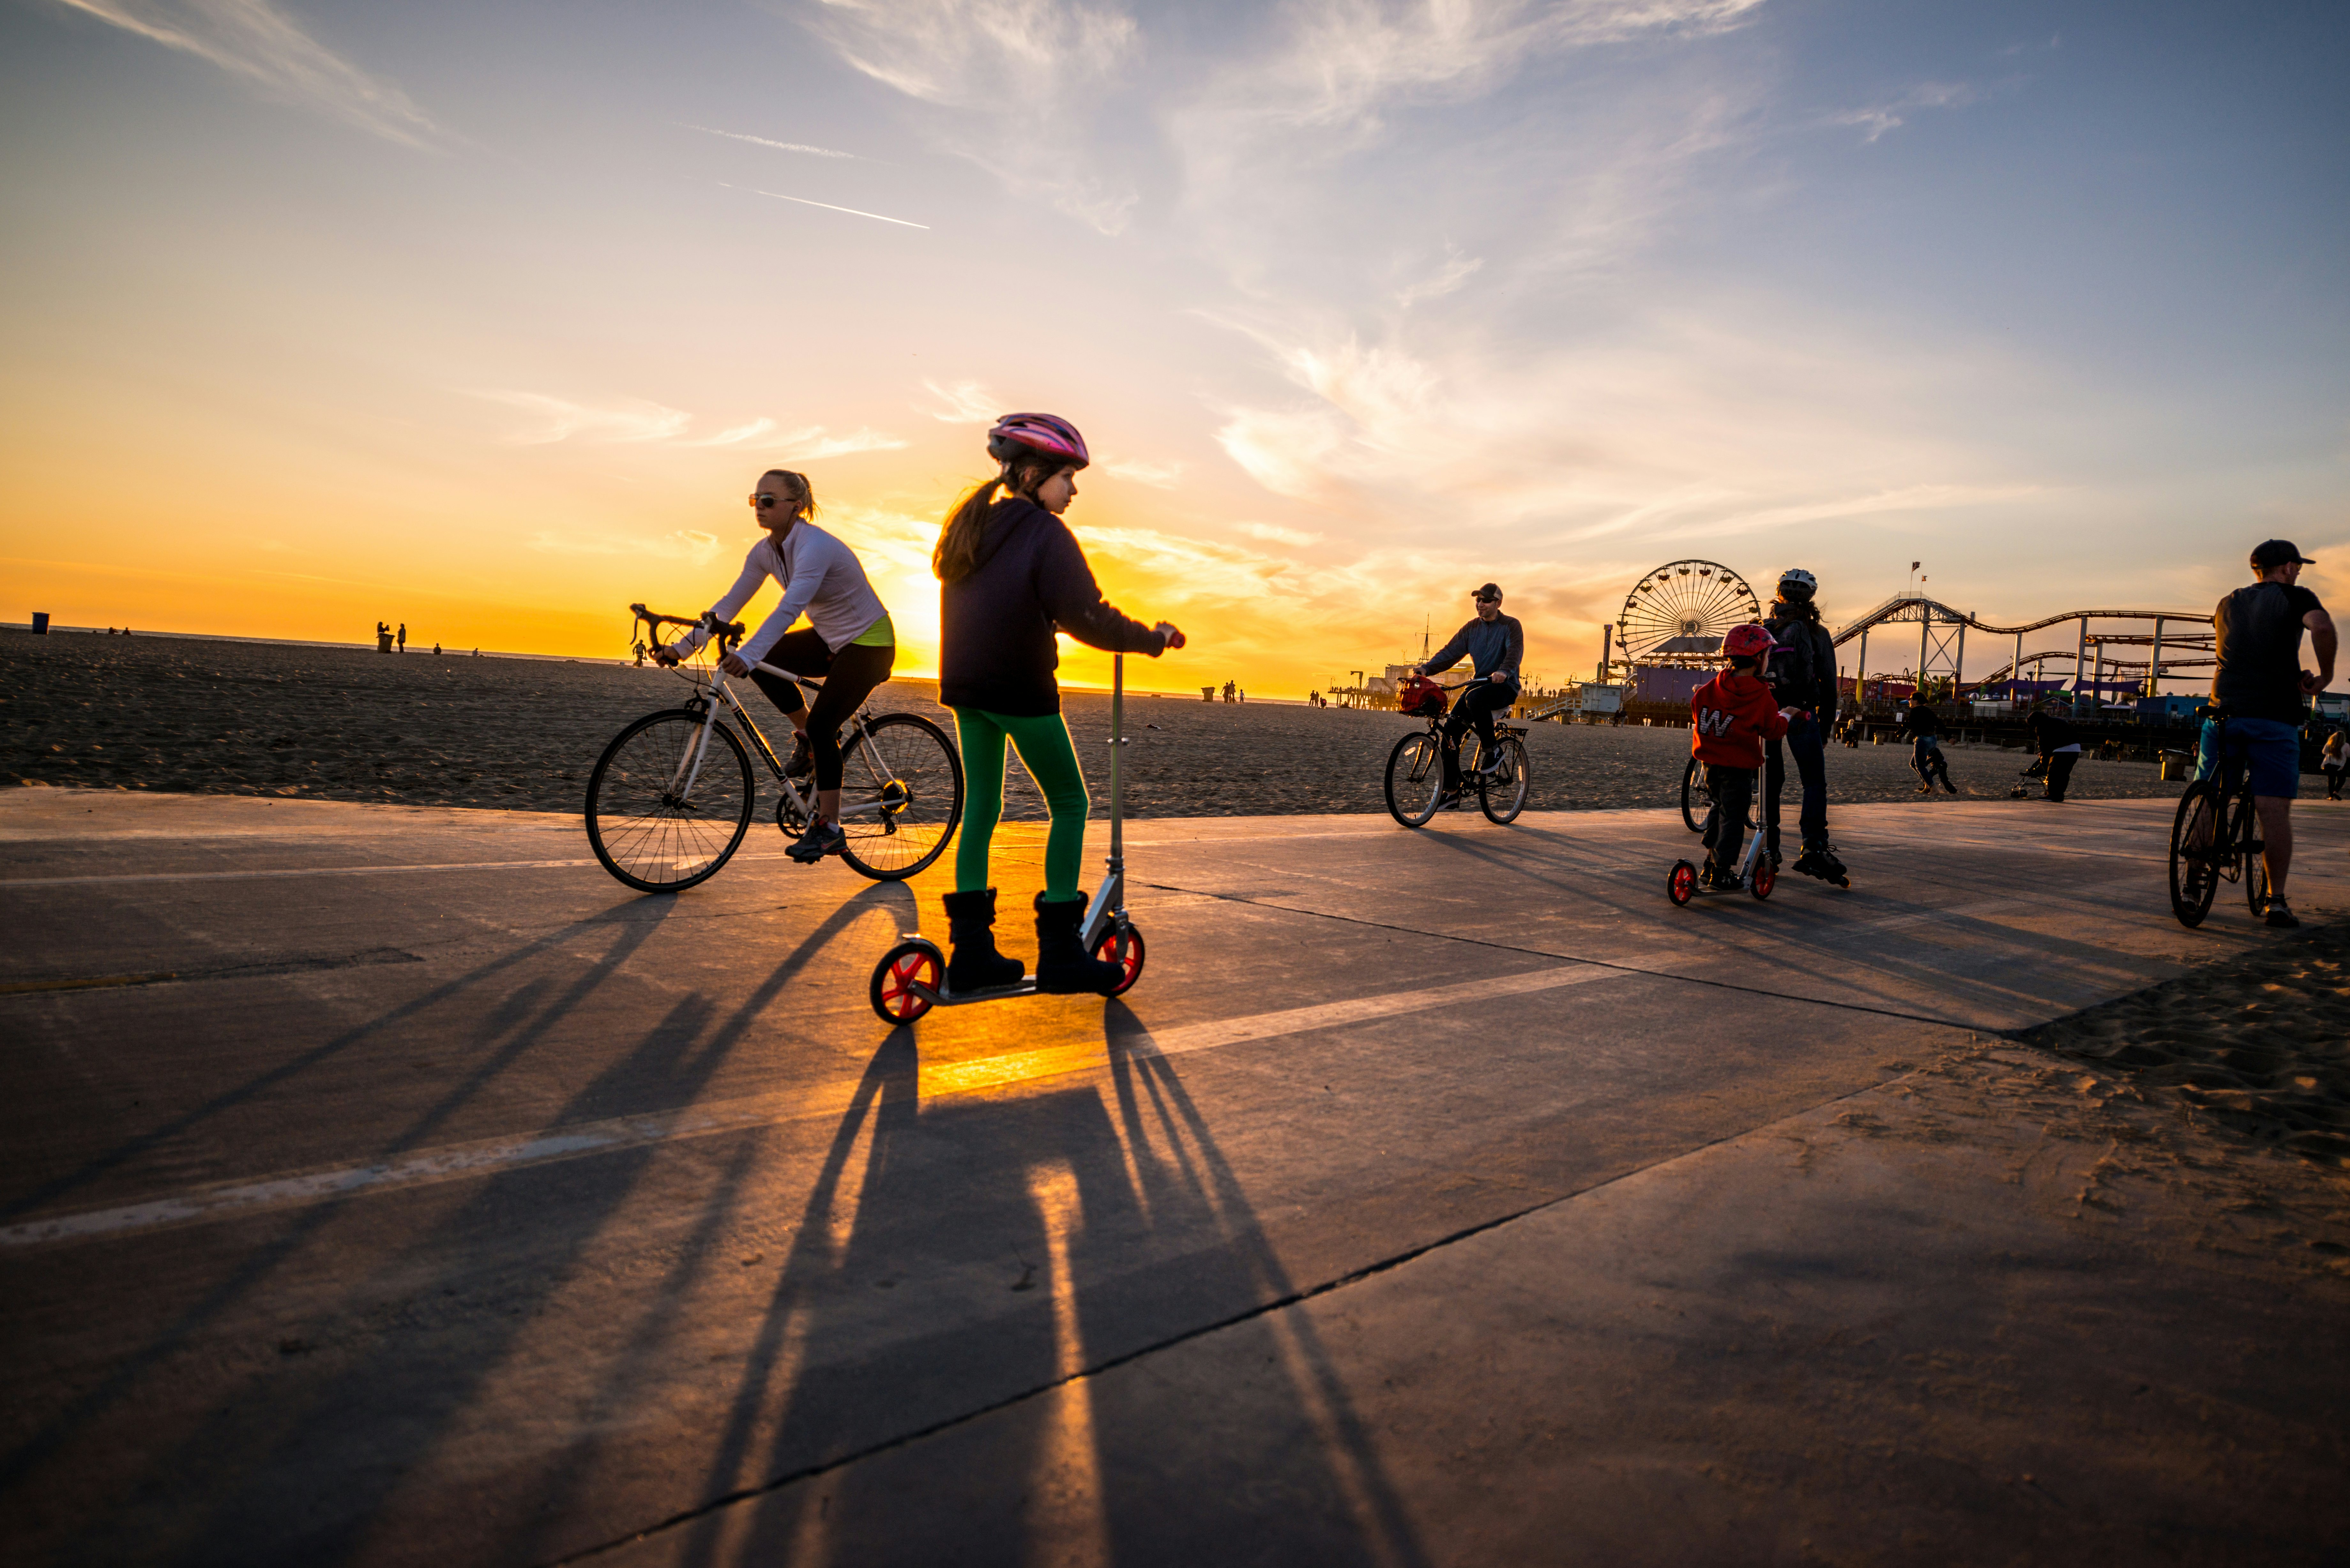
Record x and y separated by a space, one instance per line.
1794 668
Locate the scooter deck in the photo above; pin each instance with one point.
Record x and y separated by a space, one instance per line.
1024 986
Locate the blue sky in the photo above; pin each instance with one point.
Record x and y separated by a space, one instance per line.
1362 304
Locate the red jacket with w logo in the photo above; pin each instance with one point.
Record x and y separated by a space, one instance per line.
1729 717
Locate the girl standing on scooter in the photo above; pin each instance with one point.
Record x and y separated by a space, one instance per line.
1010 575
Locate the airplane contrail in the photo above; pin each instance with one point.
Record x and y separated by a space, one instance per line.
827 206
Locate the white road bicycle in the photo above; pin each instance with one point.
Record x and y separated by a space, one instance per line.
673 795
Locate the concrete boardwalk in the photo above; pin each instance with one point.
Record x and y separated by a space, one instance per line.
389 1185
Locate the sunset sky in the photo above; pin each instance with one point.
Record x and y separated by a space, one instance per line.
484 317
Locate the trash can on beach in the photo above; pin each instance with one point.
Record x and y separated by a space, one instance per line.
2177 764
40 623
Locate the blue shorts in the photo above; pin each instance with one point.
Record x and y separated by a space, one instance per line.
2273 748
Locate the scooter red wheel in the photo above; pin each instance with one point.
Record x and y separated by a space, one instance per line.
1680 882
1122 946
901 968
1766 876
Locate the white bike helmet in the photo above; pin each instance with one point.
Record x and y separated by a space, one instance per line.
1796 577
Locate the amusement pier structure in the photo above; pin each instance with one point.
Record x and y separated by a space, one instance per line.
2109 661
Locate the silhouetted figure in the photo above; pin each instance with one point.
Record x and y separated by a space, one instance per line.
403 636
382 637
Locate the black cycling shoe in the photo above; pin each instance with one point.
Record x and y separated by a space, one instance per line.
2281 917
803 761
1450 799
825 838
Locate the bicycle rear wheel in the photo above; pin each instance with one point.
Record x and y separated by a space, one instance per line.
1415 780
1503 795
2195 840
1693 791
2256 865
646 827
901 796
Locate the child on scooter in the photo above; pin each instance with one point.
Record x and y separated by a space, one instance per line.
1729 717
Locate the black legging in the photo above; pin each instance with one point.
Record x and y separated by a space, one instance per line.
1476 706
849 678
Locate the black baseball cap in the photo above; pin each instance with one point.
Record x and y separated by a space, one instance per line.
2271 554
1493 591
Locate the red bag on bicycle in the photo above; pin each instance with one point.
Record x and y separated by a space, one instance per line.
1421 697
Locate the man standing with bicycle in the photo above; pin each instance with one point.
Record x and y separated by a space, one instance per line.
1495 645
2259 697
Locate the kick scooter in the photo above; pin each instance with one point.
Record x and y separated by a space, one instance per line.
911 978
1757 873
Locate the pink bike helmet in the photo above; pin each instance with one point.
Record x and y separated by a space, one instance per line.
1047 433
1748 641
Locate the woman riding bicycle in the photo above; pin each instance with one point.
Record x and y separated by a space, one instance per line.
849 641
1010 574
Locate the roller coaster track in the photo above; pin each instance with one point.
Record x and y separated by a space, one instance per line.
1912 608
1941 625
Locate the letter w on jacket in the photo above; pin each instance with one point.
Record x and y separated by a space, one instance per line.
1729 717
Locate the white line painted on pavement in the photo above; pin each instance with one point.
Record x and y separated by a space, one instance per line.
8 884
454 1162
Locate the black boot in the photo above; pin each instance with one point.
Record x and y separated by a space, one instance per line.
972 963
1062 966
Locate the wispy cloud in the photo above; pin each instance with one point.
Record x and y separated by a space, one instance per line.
737 435
255 40
813 442
803 200
1457 270
1881 117
964 404
1027 81
634 421
688 545
1274 534
1157 475
551 420
763 142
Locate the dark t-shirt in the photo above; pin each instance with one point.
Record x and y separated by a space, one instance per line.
2258 632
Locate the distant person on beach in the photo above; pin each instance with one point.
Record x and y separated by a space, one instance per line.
2333 762
2260 697
1010 575
1804 679
436 651
1495 645
2059 745
1730 717
403 636
1925 759
849 641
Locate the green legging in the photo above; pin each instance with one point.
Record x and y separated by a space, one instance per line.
1042 743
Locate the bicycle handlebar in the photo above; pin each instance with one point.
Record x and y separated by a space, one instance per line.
727 631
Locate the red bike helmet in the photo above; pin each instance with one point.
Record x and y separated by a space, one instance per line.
1751 641
1420 698
1047 433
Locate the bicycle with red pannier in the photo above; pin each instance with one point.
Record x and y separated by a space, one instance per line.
1415 777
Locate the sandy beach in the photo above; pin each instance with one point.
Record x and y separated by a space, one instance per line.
164 713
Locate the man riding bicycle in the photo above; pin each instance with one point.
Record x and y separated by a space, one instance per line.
2258 697
1495 644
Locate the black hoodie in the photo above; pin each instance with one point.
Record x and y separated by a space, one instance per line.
996 626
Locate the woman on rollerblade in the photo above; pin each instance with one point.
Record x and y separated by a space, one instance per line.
1010 575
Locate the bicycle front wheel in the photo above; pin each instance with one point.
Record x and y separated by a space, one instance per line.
656 821
1692 795
1415 779
2195 840
901 796
1503 795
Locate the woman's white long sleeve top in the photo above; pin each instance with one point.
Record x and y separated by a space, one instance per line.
820 576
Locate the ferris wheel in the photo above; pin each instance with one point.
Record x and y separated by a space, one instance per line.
1680 613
